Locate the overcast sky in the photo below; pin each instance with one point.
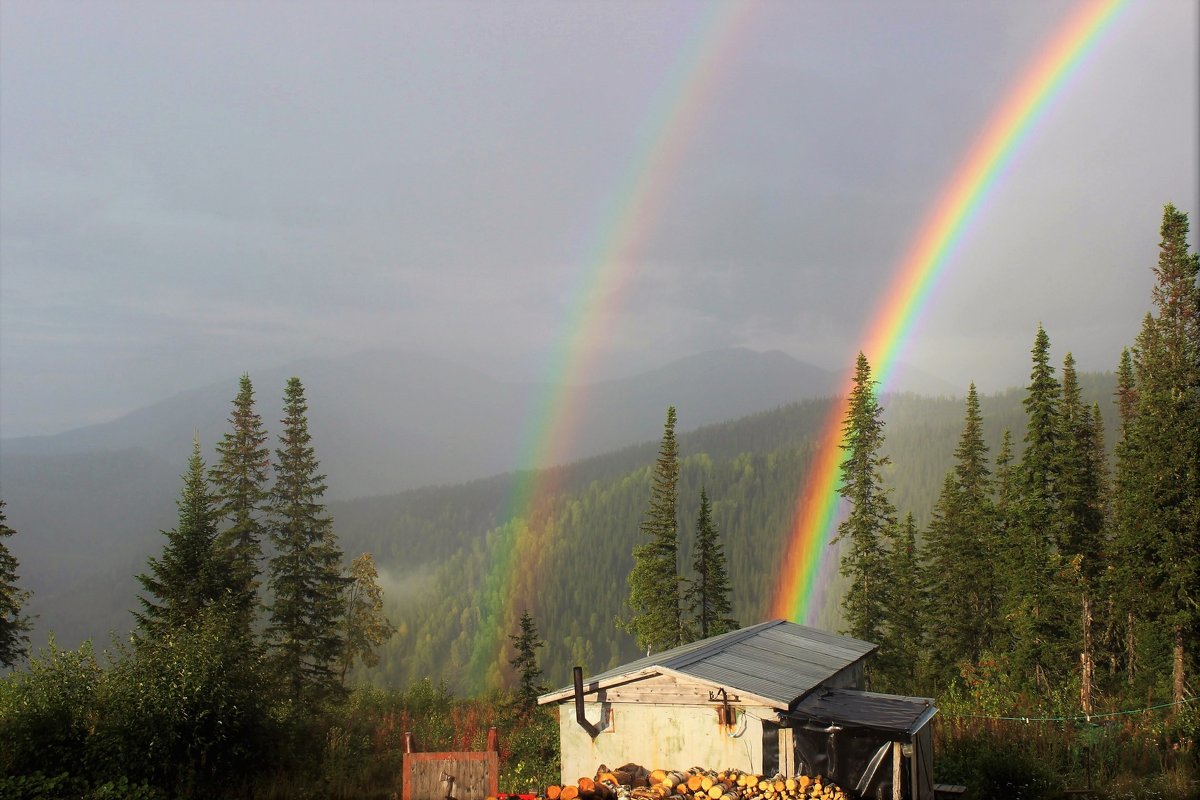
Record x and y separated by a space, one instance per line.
191 190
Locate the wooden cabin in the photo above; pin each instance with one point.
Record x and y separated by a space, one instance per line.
729 701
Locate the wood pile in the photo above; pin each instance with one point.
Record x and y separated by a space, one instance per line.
634 782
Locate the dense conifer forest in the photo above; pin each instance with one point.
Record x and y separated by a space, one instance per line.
1029 559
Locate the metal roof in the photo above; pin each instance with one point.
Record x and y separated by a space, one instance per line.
777 661
850 708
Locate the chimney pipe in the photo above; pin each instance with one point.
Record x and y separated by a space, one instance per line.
592 730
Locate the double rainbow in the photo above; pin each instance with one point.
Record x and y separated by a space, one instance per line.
916 278
629 215
625 221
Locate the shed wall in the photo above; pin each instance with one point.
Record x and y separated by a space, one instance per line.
660 736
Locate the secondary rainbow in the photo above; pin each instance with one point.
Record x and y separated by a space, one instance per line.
629 213
916 278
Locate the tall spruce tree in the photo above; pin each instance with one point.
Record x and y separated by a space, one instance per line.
961 546
708 595
1129 556
14 625
903 645
1037 595
655 587
529 675
240 486
1081 475
185 580
1160 470
304 631
871 515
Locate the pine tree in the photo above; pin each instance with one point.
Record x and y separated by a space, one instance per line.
366 627
655 600
1130 559
708 595
185 579
524 662
960 542
1081 476
1002 535
1159 469
904 637
14 625
871 514
1037 609
240 486
304 630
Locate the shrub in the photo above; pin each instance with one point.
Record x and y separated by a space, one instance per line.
48 712
184 711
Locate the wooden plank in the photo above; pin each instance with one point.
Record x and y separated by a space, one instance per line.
897 755
787 752
476 775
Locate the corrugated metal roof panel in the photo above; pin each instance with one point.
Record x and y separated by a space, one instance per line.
775 660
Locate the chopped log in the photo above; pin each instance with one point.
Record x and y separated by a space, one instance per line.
569 792
552 792
673 779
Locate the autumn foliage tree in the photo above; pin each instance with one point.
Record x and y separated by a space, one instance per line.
366 626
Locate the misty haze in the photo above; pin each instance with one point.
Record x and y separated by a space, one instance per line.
364 366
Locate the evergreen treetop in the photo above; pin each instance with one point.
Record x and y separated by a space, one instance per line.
871 513
655 600
14 625
185 579
529 675
708 595
239 481
304 630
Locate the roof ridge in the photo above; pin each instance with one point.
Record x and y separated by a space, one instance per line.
718 643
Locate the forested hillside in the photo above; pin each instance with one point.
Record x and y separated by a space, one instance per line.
439 549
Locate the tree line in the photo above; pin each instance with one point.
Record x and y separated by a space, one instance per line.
667 609
1059 575
220 668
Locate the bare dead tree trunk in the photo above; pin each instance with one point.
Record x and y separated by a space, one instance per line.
1177 667
1130 649
1086 663
1110 645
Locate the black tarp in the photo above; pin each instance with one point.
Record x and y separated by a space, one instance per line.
848 736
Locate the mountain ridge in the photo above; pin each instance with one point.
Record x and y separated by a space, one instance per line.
388 420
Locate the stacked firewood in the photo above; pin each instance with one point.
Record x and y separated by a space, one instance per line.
634 782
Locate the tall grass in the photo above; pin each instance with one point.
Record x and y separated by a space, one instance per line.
1151 755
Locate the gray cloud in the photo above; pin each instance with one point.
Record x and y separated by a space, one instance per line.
195 189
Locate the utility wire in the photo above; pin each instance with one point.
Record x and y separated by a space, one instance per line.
1087 717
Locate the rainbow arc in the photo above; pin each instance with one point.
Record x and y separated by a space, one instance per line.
797 596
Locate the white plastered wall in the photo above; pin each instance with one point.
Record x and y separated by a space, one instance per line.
661 736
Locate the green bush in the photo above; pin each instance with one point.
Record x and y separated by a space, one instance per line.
186 711
533 755
48 712
993 769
